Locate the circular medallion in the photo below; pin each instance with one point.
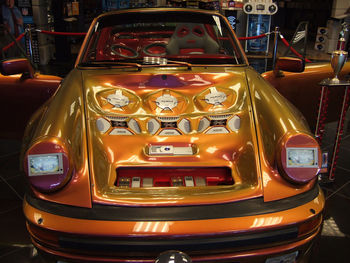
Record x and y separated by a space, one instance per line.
118 100
166 102
215 97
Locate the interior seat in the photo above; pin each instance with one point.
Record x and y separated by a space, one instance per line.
191 38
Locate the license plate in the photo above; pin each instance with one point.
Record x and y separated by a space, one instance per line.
287 258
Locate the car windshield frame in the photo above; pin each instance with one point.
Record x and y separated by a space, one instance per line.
117 23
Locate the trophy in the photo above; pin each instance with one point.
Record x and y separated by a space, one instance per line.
337 62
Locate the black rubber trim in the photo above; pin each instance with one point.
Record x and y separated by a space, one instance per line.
204 243
255 206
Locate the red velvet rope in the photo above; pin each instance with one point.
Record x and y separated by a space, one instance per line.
61 33
285 42
83 34
12 43
252 37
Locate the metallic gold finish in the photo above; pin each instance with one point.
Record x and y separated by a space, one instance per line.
303 89
108 152
113 118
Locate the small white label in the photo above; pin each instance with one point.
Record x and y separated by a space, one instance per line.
189 181
169 132
120 131
183 150
170 150
161 149
136 182
217 130
200 181
147 182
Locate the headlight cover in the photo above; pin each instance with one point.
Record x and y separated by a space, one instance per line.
42 164
47 165
299 158
302 157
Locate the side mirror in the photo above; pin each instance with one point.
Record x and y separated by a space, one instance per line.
288 64
17 66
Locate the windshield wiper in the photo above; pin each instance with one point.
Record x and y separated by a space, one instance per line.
110 63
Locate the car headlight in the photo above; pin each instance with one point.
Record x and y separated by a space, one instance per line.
41 164
47 165
299 158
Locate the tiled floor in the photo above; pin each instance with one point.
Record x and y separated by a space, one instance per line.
335 239
334 244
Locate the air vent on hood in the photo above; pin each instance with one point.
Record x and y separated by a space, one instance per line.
168 126
219 124
121 125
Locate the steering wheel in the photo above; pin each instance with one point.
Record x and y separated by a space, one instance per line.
155 52
124 51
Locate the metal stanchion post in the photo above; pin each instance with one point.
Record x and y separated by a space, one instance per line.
30 43
275 47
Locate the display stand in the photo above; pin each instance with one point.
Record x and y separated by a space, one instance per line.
326 85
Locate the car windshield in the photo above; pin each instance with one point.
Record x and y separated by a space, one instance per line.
160 37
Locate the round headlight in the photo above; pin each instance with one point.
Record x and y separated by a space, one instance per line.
47 165
299 158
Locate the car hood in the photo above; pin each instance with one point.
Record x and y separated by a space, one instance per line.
174 138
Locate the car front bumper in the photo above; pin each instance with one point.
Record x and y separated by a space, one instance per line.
244 231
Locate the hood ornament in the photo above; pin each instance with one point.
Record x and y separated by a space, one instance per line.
118 100
166 102
215 97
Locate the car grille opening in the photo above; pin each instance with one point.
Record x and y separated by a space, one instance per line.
136 177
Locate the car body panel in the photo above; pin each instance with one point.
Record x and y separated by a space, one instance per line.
174 228
272 127
205 118
190 93
303 89
253 256
68 109
22 97
148 232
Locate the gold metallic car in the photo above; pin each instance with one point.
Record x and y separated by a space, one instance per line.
163 138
